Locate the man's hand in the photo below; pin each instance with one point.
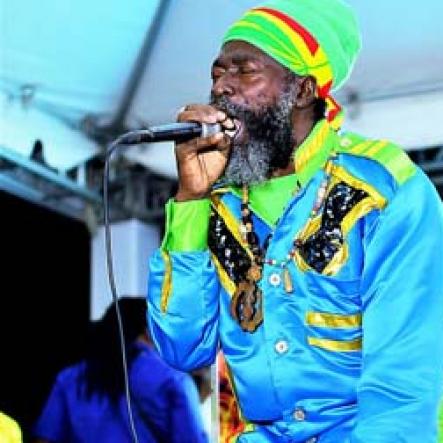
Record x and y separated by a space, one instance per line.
201 161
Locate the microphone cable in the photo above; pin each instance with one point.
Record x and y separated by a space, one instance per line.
108 246
177 131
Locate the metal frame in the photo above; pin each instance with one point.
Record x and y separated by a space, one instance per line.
135 192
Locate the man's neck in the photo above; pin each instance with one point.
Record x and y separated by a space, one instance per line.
302 126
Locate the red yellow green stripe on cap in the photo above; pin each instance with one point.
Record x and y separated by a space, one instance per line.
291 44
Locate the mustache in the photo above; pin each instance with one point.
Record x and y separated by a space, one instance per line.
242 112
223 103
259 123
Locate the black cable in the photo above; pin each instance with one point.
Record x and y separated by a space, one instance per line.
108 246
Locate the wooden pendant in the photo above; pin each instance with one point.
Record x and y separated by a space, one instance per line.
246 306
254 273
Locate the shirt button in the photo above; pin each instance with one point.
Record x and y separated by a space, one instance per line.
281 347
274 279
299 414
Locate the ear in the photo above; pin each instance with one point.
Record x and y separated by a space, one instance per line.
307 90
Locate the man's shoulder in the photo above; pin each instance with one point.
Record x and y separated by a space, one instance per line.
381 163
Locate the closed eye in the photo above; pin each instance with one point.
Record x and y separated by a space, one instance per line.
248 70
217 71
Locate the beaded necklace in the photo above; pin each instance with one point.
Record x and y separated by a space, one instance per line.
246 303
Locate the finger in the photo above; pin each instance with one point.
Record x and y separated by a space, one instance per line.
221 115
201 113
197 144
210 116
224 145
228 123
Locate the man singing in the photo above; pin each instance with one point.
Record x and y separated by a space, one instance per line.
313 259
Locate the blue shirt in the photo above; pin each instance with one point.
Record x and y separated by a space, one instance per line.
162 398
354 354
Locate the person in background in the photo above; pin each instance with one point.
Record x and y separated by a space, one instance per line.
311 257
87 403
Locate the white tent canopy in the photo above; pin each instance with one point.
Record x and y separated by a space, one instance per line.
75 62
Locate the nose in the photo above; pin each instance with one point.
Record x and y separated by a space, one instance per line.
223 85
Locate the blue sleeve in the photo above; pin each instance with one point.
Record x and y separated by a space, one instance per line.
183 308
53 422
402 287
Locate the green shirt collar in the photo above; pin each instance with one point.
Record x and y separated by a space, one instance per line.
313 153
269 199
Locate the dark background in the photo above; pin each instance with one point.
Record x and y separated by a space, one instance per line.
44 303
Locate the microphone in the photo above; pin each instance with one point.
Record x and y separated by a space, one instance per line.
177 132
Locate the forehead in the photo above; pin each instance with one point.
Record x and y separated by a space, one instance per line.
237 51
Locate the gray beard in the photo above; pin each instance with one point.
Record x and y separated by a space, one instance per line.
270 143
248 164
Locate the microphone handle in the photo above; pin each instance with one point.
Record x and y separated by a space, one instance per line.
182 132
178 132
